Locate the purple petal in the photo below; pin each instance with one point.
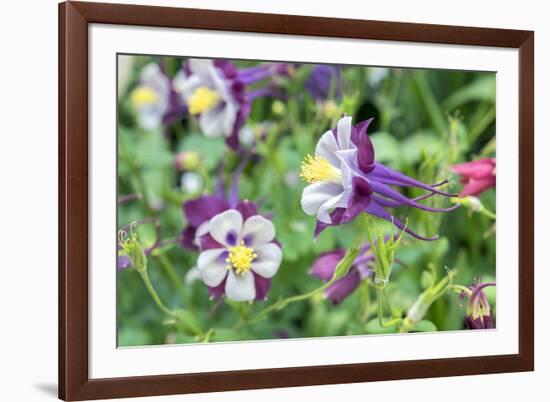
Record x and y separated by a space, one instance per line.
376 210
203 208
360 198
187 238
262 286
253 74
234 190
394 195
481 322
123 262
386 175
227 68
325 265
343 287
247 209
233 140
218 291
394 204
365 149
219 190
362 267
231 238
322 79
207 242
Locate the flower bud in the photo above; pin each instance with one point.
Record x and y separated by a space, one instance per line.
278 108
187 160
478 309
132 247
191 182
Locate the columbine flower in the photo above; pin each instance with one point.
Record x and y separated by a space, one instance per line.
215 91
239 255
478 309
345 180
154 99
325 265
325 82
477 176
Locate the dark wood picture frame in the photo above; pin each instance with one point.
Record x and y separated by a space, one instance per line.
74 381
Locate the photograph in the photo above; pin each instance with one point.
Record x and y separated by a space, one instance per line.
267 200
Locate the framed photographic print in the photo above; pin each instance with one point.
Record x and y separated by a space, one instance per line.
259 200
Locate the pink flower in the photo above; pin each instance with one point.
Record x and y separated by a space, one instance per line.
477 176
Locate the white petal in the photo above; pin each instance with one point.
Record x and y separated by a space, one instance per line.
240 287
192 275
348 166
213 269
212 122
188 85
344 132
340 201
259 229
230 115
219 120
317 194
149 117
203 229
230 221
326 147
203 68
268 261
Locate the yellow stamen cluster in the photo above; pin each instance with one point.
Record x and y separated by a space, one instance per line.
202 100
317 168
240 258
143 96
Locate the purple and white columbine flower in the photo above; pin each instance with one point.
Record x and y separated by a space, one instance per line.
239 255
215 91
154 99
345 180
325 265
478 309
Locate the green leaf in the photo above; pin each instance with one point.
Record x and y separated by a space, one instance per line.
190 321
419 144
373 327
482 89
387 148
211 150
424 326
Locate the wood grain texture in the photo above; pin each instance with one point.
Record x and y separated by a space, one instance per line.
74 17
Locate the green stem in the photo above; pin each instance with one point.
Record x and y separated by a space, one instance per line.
149 285
430 103
482 124
395 321
155 296
488 213
170 270
284 302
365 300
